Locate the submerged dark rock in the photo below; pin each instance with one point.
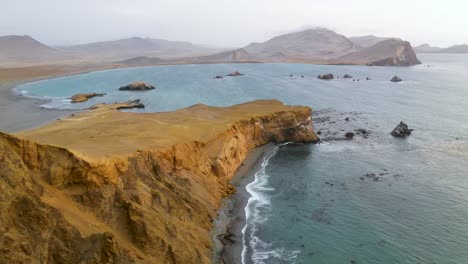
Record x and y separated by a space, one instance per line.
137 86
401 130
396 79
326 76
218 77
349 135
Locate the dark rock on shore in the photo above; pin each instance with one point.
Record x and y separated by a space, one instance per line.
326 76
131 104
137 86
80 98
396 79
401 130
236 73
119 106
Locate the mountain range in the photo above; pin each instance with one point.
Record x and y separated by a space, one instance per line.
20 50
318 45
456 49
321 46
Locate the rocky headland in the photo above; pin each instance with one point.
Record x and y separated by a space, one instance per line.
85 190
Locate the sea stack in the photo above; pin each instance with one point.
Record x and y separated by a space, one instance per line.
401 130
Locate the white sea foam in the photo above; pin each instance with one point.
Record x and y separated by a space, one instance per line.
255 212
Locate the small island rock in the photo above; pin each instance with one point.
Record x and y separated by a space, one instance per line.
396 79
137 86
401 130
236 73
347 76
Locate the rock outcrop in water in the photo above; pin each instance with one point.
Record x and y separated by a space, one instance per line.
137 86
104 186
396 79
236 73
326 76
80 98
401 130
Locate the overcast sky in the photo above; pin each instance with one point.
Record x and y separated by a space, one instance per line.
232 23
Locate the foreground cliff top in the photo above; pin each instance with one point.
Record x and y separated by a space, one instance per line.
89 196
105 131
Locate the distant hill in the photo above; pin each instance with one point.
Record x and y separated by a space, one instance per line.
316 43
368 41
385 53
426 48
456 49
23 49
320 46
132 47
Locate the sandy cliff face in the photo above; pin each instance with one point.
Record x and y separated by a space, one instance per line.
147 198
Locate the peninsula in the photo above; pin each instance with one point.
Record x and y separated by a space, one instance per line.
81 189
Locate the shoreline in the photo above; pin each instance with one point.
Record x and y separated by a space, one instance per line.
227 233
12 103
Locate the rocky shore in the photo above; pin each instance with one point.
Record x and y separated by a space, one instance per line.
145 191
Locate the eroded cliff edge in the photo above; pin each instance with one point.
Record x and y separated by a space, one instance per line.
112 187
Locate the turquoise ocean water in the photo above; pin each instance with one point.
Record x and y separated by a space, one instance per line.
317 203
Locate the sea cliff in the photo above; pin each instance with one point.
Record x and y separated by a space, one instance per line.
104 186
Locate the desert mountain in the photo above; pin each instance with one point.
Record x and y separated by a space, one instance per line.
456 49
24 49
385 53
317 43
21 50
132 47
368 41
320 46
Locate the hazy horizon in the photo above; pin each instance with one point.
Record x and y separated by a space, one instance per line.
232 24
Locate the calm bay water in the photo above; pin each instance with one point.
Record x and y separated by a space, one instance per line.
314 203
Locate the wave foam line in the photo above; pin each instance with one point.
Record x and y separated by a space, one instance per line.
258 200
